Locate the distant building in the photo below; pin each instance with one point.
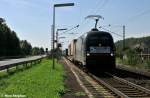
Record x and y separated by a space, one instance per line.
145 53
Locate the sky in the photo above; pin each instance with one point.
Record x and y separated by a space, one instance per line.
32 19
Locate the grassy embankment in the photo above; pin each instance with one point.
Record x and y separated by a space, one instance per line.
145 65
40 81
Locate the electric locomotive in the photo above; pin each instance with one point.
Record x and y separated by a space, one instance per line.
94 50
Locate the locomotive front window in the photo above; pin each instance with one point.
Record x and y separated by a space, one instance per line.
102 40
97 41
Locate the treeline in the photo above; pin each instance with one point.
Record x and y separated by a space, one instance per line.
134 48
138 45
11 45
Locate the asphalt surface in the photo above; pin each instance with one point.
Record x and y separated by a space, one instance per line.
11 61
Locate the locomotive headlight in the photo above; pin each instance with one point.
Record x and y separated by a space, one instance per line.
88 54
111 54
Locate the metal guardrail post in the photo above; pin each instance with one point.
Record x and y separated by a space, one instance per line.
17 67
7 69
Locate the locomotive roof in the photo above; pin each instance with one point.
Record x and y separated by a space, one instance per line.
96 31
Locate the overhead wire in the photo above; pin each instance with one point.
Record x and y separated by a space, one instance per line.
112 32
138 15
85 22
102 6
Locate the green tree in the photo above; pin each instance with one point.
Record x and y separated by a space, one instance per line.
16 50
26 47
2 38
133 58
5 40
42 50
35 51
2 20
9 42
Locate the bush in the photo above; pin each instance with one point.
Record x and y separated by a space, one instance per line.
133 58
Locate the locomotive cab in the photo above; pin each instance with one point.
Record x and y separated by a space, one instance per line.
100 51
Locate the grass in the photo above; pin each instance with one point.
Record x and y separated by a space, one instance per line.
145 65
80 94
40 81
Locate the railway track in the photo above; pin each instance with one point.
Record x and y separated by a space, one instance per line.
126 88
136 78
108 86
91 87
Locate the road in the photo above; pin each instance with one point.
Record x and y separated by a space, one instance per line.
11 61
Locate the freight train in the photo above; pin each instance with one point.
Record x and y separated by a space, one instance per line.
94 50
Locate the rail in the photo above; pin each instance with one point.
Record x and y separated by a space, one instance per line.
23 62
133 70
120 94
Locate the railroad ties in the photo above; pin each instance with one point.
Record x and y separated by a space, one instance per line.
107 87
90 86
